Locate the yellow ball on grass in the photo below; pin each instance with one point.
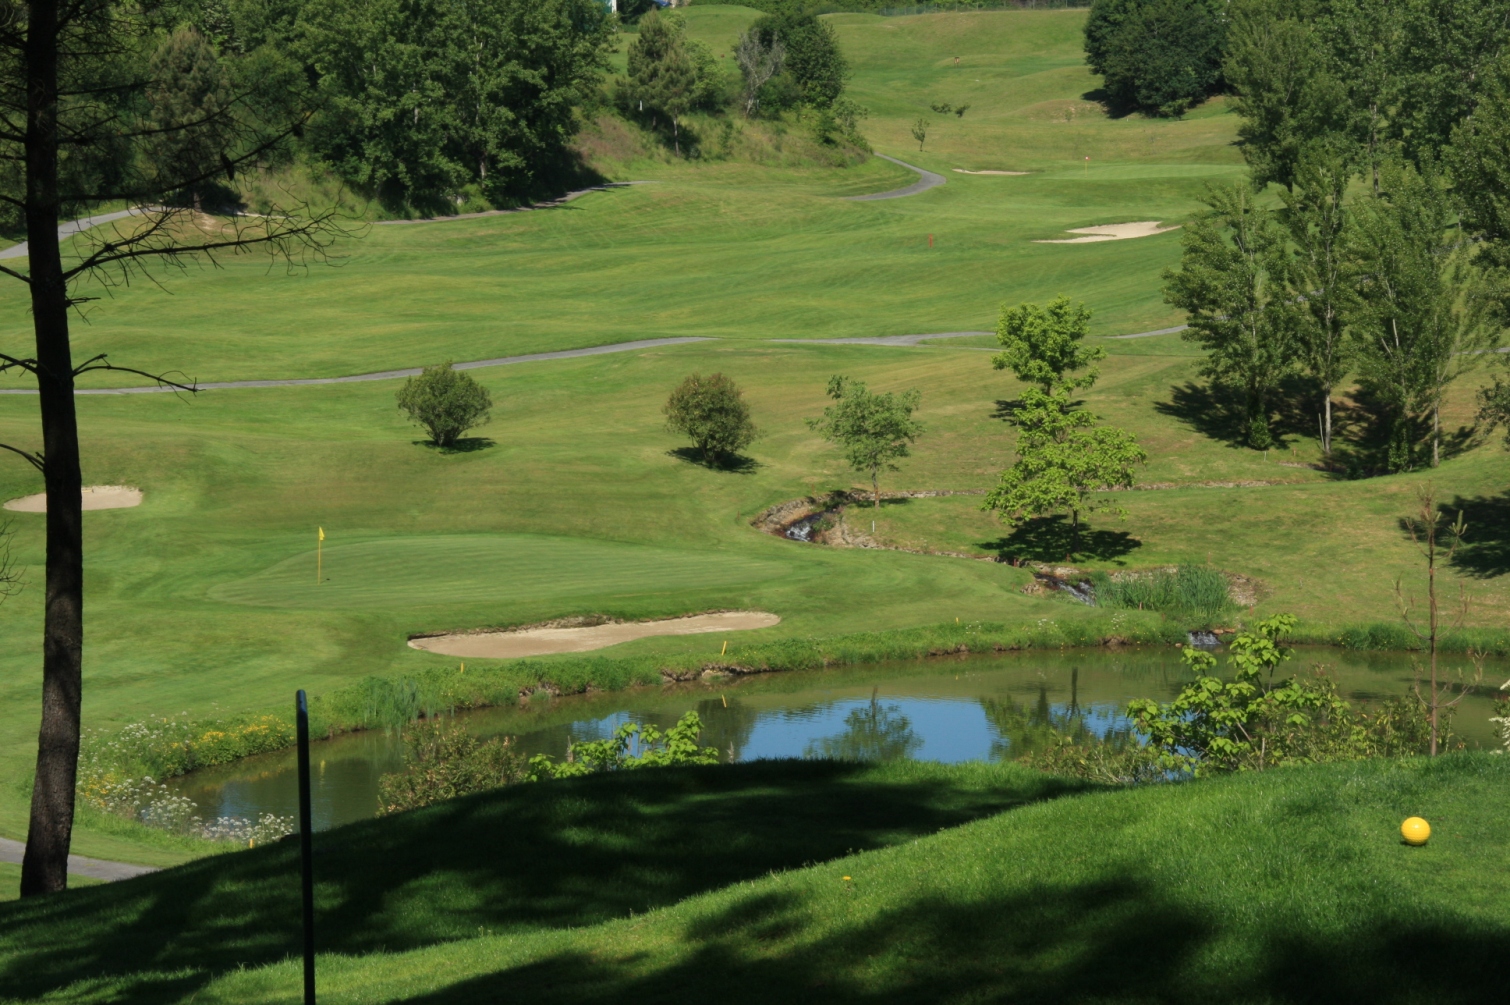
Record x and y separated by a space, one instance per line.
1415 831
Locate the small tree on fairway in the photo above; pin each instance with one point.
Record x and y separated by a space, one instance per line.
712 413
1042 344
1062 458
920 132
873 430
446 402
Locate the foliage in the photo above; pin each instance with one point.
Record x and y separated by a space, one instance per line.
1041 345
1251 722
1423 314
920 132
1157 56
760 57
874 431
1097 761
1231 285
669 74
873 733
633 745
446 402
443 761
1192 590
425 101
1364 76
1494 404
1063 457
812 61
712 413
1479 160
1317 279
1501 718
188 84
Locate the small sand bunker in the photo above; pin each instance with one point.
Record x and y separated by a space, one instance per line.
1013 173
95 497
1114 232
542 641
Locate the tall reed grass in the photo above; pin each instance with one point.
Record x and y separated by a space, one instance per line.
1192 591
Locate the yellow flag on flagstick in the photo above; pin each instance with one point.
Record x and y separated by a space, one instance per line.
322 533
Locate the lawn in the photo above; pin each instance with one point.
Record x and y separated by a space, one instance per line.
731 249
821 882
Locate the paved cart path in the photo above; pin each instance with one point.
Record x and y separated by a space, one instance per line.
78 865
926 180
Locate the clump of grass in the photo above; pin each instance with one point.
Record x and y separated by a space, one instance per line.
1191 591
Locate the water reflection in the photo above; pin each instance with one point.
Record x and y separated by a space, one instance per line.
949 710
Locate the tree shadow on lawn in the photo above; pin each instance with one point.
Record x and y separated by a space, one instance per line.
465 445
736 463
1114 940
548 855
1485 551
1048 538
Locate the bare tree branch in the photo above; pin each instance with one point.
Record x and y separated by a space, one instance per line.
35 460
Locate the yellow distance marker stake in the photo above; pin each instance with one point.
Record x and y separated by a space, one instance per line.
1415 831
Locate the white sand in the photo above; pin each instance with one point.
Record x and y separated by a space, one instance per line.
1114 232
963 171
95 497
541 641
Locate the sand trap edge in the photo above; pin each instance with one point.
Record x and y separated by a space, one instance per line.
1113 232
95 497
545 641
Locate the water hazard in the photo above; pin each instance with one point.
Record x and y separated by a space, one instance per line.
954 709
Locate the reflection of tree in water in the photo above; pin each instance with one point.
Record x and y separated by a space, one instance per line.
727 725
1022 729
873 732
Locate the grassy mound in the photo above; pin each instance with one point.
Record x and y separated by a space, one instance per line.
1287 886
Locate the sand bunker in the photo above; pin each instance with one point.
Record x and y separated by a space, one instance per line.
95 497
963 171
1114 232
541 641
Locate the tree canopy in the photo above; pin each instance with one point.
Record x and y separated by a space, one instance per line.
712 413
874 431
445 402
1157 56
1041 345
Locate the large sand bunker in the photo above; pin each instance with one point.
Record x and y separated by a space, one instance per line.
1011 173
542 641
1114 232
95 497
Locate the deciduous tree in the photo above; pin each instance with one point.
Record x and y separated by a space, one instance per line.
1042 345
446 402
712 412
874 431
1231 285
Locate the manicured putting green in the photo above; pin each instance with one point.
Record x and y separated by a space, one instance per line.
420 571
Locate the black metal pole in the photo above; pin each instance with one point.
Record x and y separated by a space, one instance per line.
306 852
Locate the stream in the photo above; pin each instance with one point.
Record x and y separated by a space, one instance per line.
951 709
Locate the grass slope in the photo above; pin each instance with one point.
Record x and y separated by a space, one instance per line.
1287 886
728 249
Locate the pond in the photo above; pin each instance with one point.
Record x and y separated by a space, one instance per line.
942 709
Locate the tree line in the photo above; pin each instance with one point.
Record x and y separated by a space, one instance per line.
787 61
1366 251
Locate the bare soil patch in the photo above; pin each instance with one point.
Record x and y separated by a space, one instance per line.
1113 232
581 638
95 497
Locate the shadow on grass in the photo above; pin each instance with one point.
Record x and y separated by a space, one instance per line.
465 445
721 461
1116 940
1048 539
551 855
1485 551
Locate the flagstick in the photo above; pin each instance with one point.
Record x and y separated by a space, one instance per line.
319 560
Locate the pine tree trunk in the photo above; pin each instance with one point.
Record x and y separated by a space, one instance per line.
45 866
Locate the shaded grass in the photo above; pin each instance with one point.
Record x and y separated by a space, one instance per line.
529 858
1285 886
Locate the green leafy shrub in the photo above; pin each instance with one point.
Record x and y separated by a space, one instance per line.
444 761
1252 722
445 402
1197 591
632 746
712 413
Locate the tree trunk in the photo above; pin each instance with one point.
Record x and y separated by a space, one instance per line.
1326 428
875 489
1074 535
676 135
1436 434
45 866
